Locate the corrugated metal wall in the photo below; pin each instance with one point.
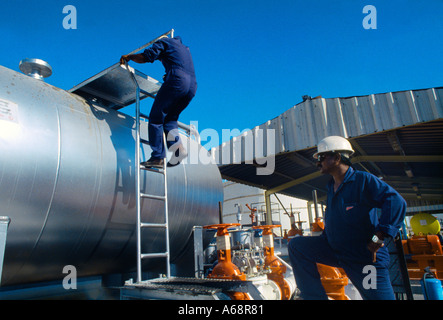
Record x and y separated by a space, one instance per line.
306 123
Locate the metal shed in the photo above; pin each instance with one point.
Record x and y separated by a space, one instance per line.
397 136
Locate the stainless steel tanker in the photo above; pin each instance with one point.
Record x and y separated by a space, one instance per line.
67 184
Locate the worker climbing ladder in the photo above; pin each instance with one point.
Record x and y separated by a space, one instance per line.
120 86
139 195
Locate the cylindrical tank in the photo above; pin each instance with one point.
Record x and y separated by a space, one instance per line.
67 170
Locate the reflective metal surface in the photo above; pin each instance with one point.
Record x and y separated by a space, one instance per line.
67 183
115 88
36 68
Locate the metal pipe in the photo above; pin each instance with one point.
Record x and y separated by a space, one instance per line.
314 197
220 212
268 207
310 220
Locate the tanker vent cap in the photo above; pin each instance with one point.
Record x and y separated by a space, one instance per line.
35 68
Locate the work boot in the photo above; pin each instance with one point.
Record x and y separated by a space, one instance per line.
178 156
153 163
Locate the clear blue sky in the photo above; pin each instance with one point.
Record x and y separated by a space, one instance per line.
254 59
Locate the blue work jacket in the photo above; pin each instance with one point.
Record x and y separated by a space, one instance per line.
172 53
351 216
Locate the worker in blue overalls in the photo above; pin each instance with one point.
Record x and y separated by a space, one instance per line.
175 94
354 233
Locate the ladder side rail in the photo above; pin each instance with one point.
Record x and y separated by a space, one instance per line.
4 224
168 255
137 177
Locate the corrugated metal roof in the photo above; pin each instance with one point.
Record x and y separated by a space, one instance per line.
397 136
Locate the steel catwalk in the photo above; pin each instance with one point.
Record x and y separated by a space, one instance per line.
67 183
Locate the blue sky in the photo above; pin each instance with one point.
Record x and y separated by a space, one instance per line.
254 59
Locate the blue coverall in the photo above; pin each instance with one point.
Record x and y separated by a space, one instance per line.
175 94
351 220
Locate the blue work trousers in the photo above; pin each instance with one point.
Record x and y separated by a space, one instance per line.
305 252
173 97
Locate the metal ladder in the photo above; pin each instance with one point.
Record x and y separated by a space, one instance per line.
140 224
139 195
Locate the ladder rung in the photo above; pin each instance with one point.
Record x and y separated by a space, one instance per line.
158 170
142 115
144 141
153 225
151 196
147 93
154 255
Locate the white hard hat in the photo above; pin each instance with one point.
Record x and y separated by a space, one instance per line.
333 144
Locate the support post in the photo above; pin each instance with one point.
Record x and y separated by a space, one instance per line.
4 224
268 207
198 252
314 198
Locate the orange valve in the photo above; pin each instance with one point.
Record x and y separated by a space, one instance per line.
318 225
225 269
334 281
252 215
294 230
277 268
268 238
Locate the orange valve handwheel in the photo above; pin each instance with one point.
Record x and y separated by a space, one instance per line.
222 227
267 228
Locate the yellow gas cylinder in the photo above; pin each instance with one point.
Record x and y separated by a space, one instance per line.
424 223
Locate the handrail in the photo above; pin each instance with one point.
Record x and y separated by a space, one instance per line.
170 32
